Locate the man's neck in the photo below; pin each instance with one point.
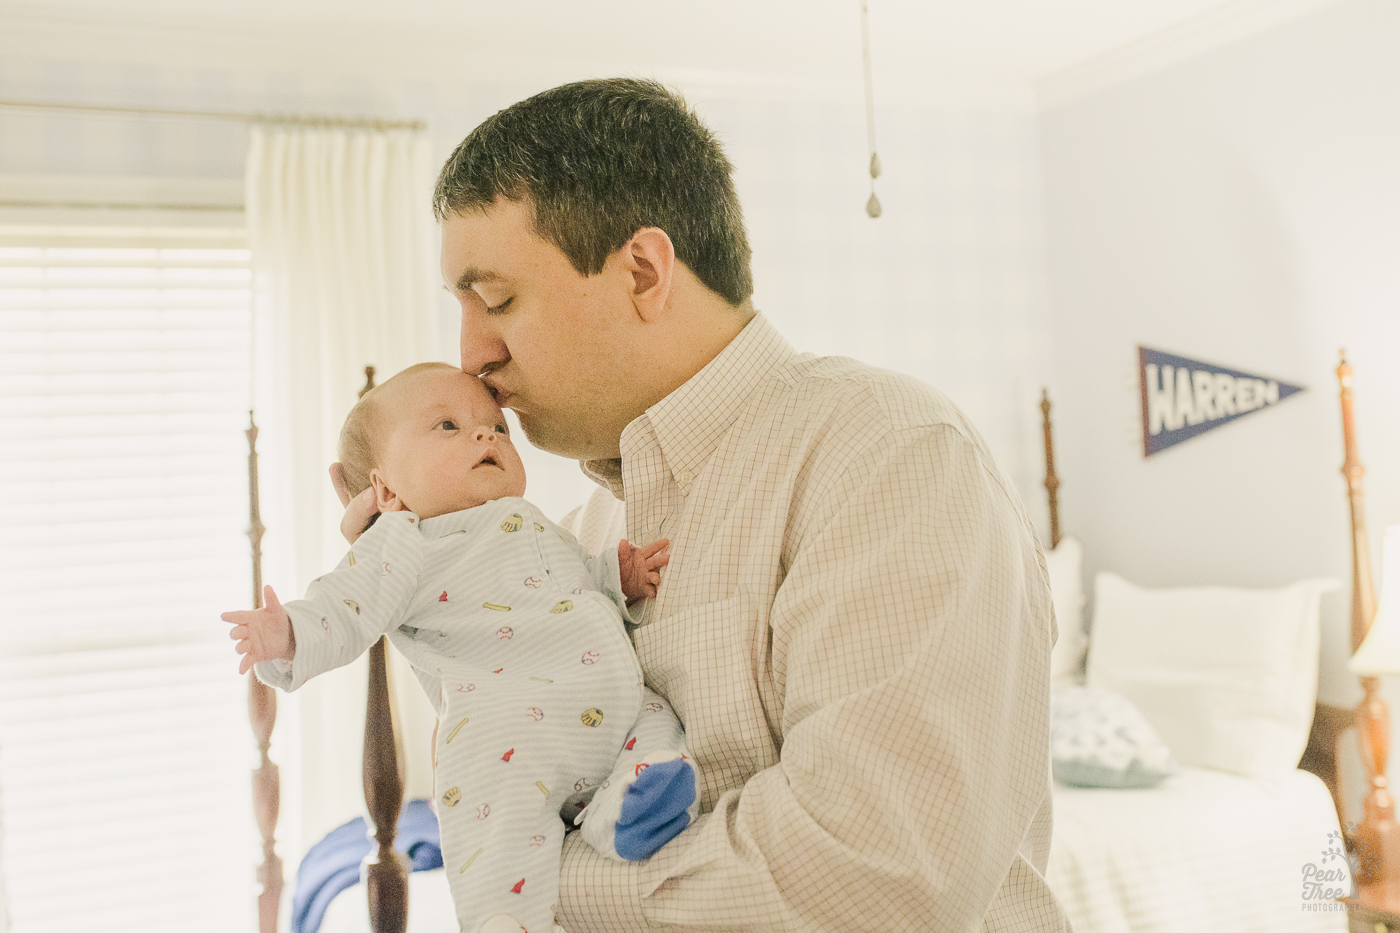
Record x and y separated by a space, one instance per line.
685 350
674 355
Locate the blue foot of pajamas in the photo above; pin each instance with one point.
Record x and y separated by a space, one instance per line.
651 795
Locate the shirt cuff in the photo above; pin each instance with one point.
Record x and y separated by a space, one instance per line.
610 582
275 673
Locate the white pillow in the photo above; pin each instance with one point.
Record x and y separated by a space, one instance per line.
1227 677
1066 567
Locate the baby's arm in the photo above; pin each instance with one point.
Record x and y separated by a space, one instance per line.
344 611
640 567
624 575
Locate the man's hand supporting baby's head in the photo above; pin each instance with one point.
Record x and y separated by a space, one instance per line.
430 440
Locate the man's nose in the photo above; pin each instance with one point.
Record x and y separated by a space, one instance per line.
481 348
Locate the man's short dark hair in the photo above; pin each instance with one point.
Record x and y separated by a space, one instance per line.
600 160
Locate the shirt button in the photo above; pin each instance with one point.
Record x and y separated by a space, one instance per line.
683 479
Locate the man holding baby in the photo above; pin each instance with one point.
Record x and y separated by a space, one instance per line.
854 627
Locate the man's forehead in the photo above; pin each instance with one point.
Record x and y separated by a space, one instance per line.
480 247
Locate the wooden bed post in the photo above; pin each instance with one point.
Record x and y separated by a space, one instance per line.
1363 593
1052 482
262 712
386 876
1379 834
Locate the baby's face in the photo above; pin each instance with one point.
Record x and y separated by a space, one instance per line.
448 447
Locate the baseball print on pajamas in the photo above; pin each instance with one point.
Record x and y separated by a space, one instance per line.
516 635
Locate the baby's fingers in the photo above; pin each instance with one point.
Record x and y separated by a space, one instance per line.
244 648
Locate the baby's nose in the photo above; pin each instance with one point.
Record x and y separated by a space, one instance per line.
485 434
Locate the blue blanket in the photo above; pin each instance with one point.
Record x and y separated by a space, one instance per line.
333 864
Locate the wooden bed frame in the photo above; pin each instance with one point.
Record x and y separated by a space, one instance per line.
1329 722
386 876
386 873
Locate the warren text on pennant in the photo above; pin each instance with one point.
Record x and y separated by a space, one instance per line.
1184 398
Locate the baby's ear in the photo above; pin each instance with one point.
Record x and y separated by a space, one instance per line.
385 499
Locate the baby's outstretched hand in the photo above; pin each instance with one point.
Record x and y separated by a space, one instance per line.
641 567
262 634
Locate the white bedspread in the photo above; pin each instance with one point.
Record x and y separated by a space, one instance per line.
1204 851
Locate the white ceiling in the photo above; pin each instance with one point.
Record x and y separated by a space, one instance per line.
1016 41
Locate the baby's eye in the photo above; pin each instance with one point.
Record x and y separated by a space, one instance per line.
449 425
501 429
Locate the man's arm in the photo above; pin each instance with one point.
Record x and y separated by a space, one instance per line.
914 756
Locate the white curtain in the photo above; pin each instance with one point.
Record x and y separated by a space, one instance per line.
4 902
344 252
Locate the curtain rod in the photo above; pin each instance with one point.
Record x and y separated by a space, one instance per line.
118 206
373 123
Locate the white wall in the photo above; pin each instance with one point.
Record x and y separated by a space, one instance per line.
947 285
1241 208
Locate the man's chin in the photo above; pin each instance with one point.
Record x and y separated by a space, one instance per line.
562 442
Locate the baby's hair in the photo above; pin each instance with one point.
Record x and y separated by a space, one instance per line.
362 435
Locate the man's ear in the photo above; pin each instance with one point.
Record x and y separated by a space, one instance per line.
650 258
385 499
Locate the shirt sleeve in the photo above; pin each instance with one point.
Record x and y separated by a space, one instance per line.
912 634
346 610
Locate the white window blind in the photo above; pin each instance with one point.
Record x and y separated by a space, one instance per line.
125 748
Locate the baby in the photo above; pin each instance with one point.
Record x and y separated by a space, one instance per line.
514 632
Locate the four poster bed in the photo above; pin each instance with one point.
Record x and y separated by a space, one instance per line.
1206 848
1224 840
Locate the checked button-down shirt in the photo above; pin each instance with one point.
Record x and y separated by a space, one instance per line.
855 628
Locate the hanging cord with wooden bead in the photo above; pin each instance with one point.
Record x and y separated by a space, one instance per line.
872 207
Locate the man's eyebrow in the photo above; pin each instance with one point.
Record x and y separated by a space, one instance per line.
471 276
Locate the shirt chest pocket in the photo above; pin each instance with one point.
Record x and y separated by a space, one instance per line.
713 662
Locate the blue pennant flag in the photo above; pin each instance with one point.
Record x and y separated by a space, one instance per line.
1183 398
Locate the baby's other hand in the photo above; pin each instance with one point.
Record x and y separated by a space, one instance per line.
360 511
641 567
262 634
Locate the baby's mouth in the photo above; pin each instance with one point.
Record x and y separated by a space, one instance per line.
488 460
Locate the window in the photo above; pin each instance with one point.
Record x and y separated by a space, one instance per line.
125 748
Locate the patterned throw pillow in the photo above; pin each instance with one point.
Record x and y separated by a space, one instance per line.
1099 739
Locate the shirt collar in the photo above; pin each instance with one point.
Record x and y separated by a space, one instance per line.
689 423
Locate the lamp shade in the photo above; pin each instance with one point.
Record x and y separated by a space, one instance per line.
1380 652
